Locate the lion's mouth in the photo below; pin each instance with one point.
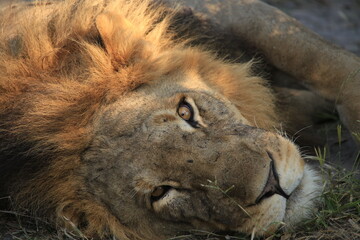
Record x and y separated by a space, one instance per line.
272 185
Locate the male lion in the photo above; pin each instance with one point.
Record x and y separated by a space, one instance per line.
111 123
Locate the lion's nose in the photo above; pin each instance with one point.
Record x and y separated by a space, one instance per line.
272 185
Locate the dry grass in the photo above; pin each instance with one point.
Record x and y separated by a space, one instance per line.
339 215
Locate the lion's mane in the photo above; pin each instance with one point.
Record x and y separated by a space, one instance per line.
56 74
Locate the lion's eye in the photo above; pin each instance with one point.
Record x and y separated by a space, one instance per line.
185 111
159 192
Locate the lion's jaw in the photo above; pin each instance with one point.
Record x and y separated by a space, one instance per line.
213 173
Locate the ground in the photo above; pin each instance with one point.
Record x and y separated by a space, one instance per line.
338 22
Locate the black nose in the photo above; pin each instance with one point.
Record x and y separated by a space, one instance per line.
272 185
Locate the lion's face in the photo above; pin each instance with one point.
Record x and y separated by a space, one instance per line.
177 155
109 124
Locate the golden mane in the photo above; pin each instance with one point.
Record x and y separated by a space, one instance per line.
59 68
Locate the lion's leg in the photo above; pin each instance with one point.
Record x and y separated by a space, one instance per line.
326 69
302 111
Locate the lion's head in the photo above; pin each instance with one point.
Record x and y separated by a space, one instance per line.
110 125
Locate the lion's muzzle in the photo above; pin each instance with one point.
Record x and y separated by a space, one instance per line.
272 185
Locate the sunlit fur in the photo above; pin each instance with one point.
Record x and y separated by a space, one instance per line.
58 73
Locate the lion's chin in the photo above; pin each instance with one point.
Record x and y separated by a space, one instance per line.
304 199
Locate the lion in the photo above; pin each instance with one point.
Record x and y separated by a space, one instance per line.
114 125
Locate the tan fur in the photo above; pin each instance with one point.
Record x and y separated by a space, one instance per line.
79 81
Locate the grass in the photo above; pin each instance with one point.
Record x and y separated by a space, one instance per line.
339 215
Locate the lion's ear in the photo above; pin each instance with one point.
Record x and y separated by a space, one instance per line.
119 37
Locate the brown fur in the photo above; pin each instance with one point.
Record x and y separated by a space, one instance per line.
62 67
